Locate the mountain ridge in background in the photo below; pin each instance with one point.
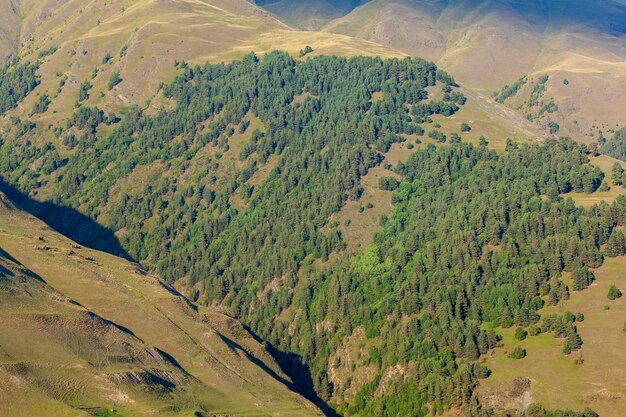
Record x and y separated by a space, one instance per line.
131 141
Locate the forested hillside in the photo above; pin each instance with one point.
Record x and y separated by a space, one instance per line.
616 147
228 193
334 128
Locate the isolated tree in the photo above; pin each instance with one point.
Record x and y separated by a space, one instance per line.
437 135
520 333
114 80
83 92
465 127
307 50
614 293
554 127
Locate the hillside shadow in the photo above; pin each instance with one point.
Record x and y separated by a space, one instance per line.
300 375
237 347
67 221
292 365
605 17
4 271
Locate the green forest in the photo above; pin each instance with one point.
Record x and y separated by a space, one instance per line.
477 239
616 147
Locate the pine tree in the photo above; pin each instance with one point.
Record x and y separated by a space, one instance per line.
573 341
617 174
616 245
114 80
582 277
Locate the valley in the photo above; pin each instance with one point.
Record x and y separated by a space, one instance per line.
279 208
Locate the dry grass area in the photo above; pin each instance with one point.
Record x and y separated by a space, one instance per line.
400 152
605 163
155 35
56 356
9 22
556 381
487 118
357 222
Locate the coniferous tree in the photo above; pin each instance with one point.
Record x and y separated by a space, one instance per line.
573 341
617 174
582 277
616 245
114 80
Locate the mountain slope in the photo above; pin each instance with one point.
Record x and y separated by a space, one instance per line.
9 28
261 186
489 43
311 15
83 331
141 40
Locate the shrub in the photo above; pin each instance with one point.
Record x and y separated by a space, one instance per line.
518 353
614 293
534 330
481 371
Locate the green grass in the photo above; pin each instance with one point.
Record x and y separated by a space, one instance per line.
556 380
106 413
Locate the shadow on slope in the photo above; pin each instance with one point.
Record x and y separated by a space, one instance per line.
67 221
608 16
291 364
